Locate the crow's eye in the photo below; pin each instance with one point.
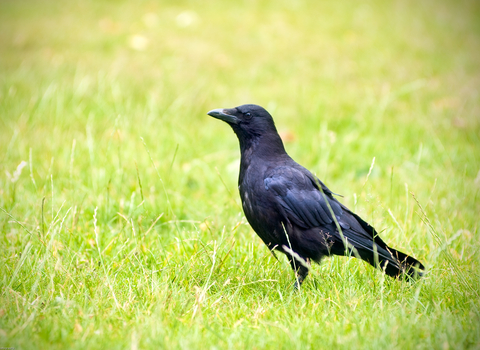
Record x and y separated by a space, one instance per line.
248 115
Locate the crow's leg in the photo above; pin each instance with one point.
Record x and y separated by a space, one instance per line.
301 269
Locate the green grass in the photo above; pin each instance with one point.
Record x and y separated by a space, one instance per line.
124 229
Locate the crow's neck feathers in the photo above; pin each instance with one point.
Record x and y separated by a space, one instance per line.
257 150
267 145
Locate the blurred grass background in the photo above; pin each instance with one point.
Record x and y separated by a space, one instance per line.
120 223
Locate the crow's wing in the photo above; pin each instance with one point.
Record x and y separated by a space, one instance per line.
308 203
303 202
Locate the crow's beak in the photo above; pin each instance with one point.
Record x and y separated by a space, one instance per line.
222 114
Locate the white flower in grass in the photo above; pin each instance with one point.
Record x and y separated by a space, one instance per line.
138 42
186 19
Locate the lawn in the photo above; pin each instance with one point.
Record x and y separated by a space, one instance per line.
120 220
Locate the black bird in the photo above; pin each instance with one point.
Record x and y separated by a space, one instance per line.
292 211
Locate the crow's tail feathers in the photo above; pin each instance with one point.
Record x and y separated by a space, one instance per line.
378 254
393 262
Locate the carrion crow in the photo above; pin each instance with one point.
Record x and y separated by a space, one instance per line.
292 211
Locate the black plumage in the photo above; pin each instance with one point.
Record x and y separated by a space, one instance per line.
292 211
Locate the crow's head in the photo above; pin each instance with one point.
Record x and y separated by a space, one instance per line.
246 120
